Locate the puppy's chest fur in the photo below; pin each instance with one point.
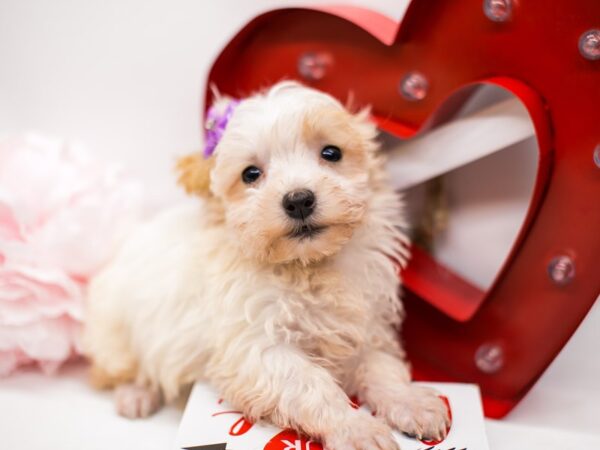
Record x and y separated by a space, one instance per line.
333 310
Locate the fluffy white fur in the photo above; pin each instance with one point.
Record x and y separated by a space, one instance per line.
286 328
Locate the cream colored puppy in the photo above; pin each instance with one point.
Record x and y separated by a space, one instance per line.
281 289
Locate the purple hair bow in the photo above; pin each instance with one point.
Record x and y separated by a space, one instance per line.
216 122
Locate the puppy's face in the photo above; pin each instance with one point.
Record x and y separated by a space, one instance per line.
292 172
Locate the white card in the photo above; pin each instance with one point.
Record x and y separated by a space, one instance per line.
210 424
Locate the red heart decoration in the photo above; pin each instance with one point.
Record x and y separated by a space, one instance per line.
525 318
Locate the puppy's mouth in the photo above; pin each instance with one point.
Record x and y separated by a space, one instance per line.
306 231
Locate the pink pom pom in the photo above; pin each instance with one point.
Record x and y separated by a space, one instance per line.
61 215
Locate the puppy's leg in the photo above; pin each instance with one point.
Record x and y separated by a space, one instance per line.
282 385
114 365
135 400
383 382
106 344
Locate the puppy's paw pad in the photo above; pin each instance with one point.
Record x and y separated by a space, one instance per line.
134 402
362 432
420 413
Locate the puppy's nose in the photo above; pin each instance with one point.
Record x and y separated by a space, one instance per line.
299 204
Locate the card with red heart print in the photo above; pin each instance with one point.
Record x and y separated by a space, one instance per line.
209 423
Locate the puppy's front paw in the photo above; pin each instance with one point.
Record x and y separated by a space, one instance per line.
418 411
361 432
135 402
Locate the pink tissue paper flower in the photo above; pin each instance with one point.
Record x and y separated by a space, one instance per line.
61 215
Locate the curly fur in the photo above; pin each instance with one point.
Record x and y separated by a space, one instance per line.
285 328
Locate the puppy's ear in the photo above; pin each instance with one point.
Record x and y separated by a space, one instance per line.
194 174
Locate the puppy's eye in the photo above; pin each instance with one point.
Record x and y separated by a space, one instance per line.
331 153
251 174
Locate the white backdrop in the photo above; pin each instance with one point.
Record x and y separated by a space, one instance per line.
125 77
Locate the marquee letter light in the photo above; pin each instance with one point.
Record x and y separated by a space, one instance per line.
548 55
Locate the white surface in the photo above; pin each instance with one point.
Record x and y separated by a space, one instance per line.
125 77
510 436
567 396
64 412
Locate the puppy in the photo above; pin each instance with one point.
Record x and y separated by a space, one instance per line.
281 289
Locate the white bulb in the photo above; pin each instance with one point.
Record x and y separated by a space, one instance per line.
497 10
589 45
313 66
489 358
414 86
561 270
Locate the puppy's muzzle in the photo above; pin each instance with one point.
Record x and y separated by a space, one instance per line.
299 204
